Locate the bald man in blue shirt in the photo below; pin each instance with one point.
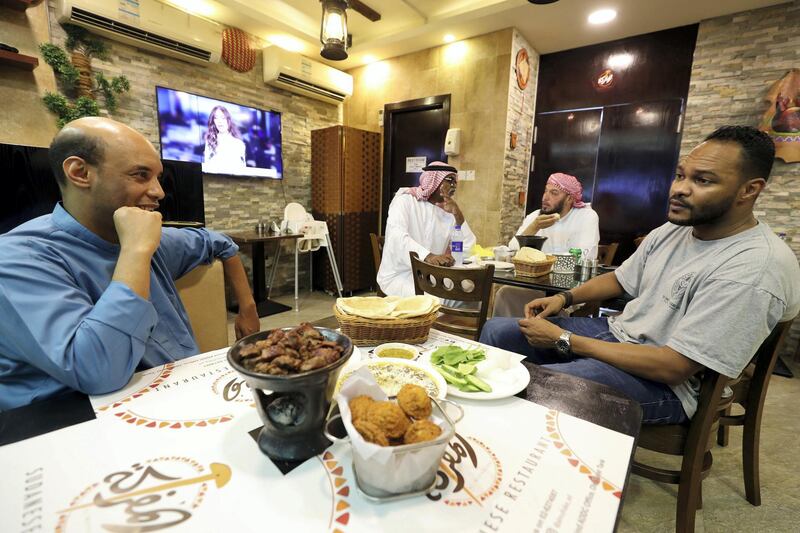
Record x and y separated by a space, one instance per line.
87 295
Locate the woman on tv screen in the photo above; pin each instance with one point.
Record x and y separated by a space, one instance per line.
225 149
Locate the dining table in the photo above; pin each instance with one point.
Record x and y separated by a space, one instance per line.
555 282
176 450
257 240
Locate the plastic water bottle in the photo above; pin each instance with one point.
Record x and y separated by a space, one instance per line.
457 245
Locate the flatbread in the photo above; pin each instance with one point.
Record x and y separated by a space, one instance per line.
388 307
368 306
416 306
530 255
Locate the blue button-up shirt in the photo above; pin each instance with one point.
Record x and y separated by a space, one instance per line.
65 324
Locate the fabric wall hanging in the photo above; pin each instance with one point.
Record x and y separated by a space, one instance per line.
782 118
236 50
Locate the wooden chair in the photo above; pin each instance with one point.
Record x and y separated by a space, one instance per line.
693 442
377 253
638 240
202 292
750 392
606 253
450 284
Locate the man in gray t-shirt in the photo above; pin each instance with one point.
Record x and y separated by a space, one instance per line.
707 288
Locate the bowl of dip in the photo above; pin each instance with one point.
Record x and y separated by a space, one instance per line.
396 350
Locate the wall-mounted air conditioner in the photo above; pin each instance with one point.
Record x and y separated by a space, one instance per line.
299 74
147 24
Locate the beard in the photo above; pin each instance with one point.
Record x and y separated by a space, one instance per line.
555 209
706 214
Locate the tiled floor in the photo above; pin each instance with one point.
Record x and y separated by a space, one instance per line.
650 506
312 306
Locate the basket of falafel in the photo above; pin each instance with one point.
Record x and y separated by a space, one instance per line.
397 442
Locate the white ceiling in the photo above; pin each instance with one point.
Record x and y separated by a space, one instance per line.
410 25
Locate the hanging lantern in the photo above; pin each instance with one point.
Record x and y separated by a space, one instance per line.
333 33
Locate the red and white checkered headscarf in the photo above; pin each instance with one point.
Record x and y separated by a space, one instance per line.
570 185
430 180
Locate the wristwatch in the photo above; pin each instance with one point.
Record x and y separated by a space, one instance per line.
563 345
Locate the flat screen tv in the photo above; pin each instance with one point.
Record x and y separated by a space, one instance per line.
226 138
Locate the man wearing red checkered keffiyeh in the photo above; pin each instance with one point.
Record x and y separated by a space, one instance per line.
566 222
565 219
421 220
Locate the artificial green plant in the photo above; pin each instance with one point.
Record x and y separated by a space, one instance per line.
74 73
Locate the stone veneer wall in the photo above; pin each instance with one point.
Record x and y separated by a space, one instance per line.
230 203
737 58
25 119
475 72
517 162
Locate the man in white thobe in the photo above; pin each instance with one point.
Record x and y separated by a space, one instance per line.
421 220
566 221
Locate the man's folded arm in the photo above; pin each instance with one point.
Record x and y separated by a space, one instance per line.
51 324
187 248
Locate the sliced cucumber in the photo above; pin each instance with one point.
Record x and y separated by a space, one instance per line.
466 368
453 370
478 382
451 378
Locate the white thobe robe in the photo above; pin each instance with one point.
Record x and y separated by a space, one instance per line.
579 229
414 226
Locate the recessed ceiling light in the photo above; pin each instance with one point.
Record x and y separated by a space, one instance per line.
449 38
204 9
369 59
602 16
620 61
287 42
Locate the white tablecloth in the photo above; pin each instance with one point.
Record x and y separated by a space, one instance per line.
173 451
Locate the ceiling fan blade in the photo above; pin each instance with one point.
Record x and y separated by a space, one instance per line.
364 9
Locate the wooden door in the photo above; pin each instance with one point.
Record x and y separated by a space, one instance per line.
414 128
566 141
637 155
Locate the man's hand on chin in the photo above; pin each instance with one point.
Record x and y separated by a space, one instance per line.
541 333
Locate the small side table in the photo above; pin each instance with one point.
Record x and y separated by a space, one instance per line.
256 239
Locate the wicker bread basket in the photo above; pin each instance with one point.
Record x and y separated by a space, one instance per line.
371 332
536 269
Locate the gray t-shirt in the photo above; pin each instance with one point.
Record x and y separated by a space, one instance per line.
712 301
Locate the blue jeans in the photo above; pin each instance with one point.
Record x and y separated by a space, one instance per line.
659 403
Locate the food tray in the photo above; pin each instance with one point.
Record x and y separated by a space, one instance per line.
371 332
376 472
535 269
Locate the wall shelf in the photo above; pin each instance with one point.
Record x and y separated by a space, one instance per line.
20 5
18 60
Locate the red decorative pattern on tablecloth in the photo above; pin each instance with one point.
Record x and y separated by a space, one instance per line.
236 50
139 420
62 519
340 490
166 372
554 433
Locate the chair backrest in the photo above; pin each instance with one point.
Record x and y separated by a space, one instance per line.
202 292
294 211
638 240
471 285
606 253
377 253
377 250
764 363
711 404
